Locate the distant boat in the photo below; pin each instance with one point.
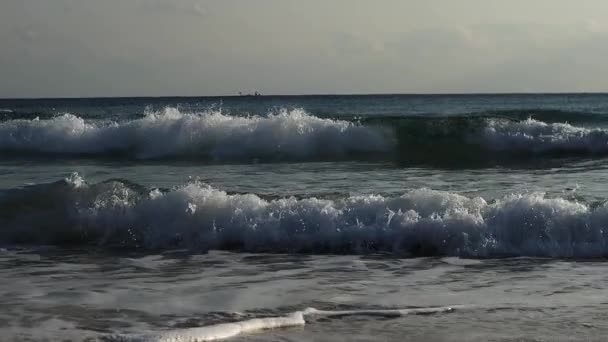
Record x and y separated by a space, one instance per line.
255 94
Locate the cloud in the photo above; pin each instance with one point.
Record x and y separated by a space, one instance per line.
203 47
189 7
596 26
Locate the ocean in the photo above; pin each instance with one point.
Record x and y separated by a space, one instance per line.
305 218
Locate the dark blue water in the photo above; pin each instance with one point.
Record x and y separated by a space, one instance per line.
323 106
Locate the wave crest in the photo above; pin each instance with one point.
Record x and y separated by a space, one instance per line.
294 135
199 217
170 133
540 137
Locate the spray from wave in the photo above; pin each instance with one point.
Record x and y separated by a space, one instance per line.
294 135
283 136
540 137
119 214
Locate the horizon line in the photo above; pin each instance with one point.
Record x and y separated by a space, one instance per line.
306 95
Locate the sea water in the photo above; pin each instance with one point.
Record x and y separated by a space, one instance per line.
304 218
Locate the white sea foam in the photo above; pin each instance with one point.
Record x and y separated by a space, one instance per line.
378 312
228 330
538 137
218 331
200 217
285 135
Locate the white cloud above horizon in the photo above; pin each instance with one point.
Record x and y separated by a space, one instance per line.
202 47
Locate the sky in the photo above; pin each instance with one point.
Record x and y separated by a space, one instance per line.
80 48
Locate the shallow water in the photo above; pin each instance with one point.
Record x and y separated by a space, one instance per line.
54 295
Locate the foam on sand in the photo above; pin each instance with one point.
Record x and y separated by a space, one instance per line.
227 330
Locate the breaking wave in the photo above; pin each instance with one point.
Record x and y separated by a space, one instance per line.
294 135
120 214
283 136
